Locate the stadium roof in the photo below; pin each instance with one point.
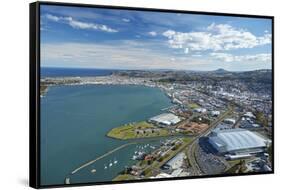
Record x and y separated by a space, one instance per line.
237 139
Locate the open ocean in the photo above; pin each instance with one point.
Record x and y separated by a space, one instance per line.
73 72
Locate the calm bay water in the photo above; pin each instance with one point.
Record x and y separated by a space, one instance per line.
74 123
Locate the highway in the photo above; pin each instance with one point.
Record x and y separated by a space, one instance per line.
192 146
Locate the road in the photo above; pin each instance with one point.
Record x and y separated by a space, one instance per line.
192 146
157 165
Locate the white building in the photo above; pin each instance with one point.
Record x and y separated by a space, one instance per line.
215 113
165 119
177 161
250 115
200 110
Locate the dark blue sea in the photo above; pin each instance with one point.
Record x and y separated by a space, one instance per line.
73 72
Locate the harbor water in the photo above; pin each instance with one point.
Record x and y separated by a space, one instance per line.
74 124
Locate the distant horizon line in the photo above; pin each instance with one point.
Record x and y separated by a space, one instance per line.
52 67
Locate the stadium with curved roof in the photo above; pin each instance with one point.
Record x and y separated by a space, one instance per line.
237 141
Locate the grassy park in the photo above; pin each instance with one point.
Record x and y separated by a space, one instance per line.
141 129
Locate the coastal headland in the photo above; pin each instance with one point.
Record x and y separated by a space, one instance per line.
136 130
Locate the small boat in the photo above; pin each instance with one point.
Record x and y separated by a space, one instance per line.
110 164
105 167
93 170
67 181
115 161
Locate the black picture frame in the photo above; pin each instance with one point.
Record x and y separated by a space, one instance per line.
34 91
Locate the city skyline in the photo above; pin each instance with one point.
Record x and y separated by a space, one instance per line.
85 37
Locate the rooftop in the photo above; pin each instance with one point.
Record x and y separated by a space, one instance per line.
166 119
237 139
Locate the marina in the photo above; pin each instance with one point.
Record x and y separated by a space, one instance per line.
108 153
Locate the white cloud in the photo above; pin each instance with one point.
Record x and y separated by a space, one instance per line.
126 20
216 37
52 17
80 25
196 55
266 39
152 33
226 57
121 54
169 33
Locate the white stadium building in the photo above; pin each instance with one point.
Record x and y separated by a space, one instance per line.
237 141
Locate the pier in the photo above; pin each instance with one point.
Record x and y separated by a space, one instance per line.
167 108
104 155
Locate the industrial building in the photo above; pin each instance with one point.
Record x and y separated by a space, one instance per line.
176 162
165 119
237 141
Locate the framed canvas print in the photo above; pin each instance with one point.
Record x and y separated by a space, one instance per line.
121 94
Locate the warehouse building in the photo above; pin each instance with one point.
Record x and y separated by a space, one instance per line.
176 162
165 119
237 141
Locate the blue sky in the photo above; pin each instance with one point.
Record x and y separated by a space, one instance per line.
122 39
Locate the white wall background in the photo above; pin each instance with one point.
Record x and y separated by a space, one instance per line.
14 75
